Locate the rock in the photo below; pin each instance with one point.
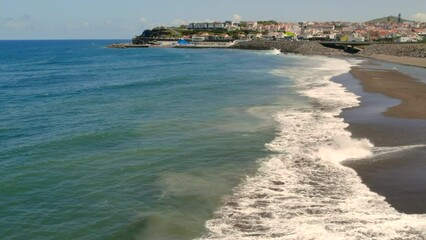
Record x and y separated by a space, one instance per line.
396 49
299 47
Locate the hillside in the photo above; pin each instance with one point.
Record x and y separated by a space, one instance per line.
387 19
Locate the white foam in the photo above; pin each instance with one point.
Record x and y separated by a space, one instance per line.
302 191
273 52
386 151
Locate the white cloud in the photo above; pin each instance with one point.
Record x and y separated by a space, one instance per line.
107 24
17 23
421 17
144 20
72 26
78 26
237 17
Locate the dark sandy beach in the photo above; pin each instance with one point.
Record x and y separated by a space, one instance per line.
412 61
395 84
392 115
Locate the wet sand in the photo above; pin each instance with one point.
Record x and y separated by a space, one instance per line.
397 85
400 178
412 61
392 114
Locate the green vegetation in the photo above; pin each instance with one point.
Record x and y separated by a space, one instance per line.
340 25
161 32
392 19
269 22
290 34
179 32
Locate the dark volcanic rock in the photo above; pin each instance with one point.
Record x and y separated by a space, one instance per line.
315 48
299 47
396 49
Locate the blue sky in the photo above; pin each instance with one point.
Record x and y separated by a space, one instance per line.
123 19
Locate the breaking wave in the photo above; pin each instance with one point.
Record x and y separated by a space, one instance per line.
273 52
302 191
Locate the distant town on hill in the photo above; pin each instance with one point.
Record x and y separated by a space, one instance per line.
386 29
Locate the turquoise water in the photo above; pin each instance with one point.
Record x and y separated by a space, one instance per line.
101 143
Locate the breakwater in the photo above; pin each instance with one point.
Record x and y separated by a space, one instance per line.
417 50
127 45
298 47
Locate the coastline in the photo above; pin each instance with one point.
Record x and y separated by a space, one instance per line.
410 61
392 116
302 186
395 84
281 196
406 195
404 54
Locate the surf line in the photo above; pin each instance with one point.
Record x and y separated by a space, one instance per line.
302 191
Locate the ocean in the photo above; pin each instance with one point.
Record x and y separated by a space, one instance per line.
164 143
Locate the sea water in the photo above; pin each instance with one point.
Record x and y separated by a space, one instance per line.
302 190
101 143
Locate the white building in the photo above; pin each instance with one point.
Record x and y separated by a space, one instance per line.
206 25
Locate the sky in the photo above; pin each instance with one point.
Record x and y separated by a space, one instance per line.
123 19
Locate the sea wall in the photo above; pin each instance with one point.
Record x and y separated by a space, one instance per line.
400 50
299 47
417 50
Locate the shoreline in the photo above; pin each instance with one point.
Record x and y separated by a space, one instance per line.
405 192
392 116
394 53
303 182
395 84
409 61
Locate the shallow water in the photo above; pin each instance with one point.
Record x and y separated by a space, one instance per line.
128 144
303 191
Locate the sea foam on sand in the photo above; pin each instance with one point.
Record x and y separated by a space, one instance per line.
302 191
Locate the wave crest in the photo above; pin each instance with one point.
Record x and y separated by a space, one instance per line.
302 191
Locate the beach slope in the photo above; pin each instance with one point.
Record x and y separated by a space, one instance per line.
395 84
